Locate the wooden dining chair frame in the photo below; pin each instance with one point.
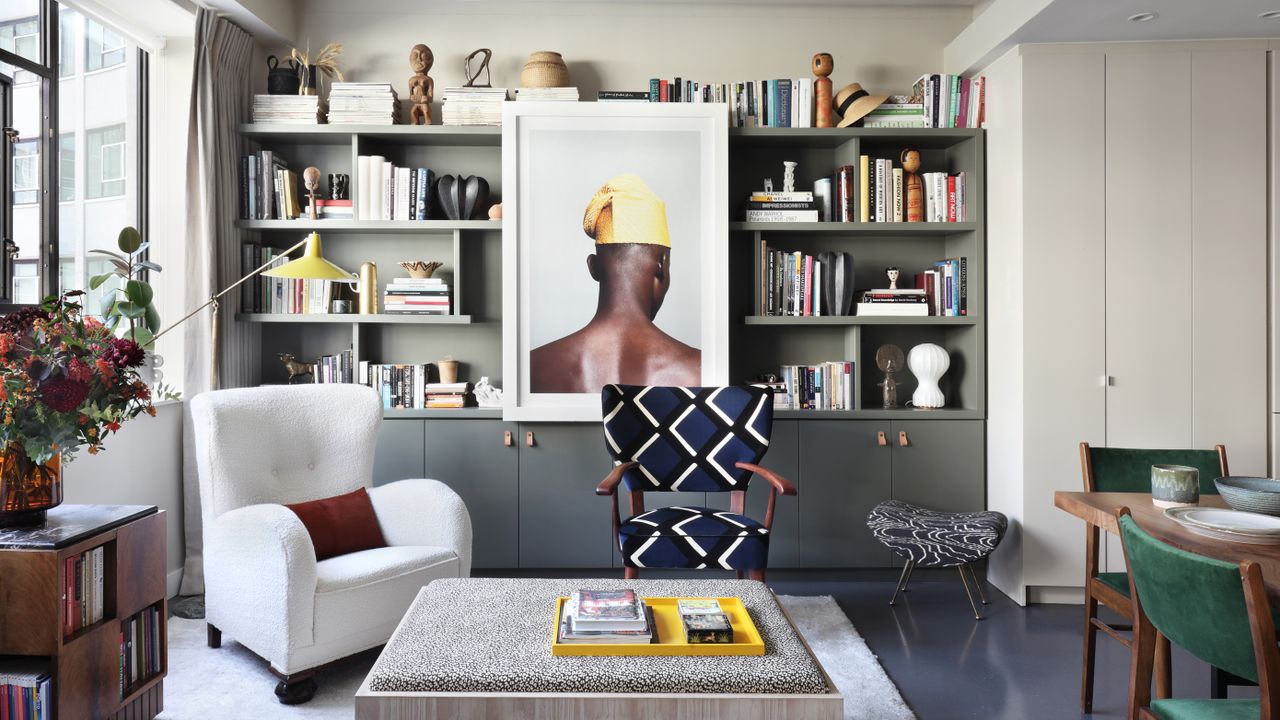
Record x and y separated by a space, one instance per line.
1097 592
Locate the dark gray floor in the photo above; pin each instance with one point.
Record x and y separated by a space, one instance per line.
1017 663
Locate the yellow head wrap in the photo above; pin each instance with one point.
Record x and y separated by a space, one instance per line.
625 210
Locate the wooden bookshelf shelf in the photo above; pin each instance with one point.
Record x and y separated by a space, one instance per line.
793 321
470 413
479 136
405 227
355 319
856 228
881 414
922 138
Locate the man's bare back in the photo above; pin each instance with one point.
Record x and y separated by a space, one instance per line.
603 353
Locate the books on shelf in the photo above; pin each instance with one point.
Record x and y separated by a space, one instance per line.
268 188
882 193
606 617
904 302
363 103
781 103
388 192
790 283
547 94
294 296
335 209
951 101
622 96
139 648
473 106
334 368
411 296
291 109
898 111
946 285
26 688
825 386
768 206
82 578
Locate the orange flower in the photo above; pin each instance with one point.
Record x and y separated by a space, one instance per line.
93 449
113 426
151 410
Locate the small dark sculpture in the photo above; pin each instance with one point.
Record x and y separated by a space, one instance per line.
482 68
295 368
311 178
889 359
463 198
339 186
421 87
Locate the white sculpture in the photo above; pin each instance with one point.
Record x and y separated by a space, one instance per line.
486 394
789 176
928 363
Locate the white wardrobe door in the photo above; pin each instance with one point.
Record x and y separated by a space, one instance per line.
1148 258
1229 255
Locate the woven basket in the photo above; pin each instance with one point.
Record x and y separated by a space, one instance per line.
544 69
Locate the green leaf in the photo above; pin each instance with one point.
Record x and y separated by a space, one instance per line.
142 249
130 309
139 293
148 265
152 319
107 304
130 239
96 281
122 268
108 253
142 336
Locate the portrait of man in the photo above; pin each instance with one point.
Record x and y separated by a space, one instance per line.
630 262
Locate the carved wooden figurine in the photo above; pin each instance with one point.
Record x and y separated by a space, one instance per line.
822 67
311 178
421 87
914 186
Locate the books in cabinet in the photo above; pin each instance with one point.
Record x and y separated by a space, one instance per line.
825 386
385 191
795 284
140 638
83 583
26 688
290 296
883 190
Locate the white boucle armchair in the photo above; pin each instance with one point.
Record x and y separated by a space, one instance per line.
257 448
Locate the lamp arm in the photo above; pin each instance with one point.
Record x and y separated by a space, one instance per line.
214 298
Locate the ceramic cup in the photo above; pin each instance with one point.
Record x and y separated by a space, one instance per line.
1174 485
340 307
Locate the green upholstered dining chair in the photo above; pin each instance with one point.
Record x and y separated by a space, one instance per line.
1129 470
1215 610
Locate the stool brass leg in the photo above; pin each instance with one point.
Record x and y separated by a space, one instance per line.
902 581
977 584
910 570
965 580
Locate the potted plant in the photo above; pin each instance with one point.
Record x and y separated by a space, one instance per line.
65 381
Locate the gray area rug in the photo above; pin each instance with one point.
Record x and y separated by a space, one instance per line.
232 682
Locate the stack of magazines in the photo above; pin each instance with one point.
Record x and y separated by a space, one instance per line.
293 109
607 616
473 105
363 103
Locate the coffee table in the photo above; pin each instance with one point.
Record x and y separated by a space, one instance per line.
481 648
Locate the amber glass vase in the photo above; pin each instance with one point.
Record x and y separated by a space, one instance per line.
27 488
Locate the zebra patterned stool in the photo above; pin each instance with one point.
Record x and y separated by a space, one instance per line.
937 539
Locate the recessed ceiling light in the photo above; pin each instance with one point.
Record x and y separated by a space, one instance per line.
1143 17
1270 15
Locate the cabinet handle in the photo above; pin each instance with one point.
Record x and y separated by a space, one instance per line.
902 438
528 439
881 440
507 439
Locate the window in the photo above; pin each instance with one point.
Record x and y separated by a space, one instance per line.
26 173
66 167
21 37
103 48
67 32
105 162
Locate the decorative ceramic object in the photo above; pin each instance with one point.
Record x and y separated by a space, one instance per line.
294 367
367 288
1174 485
325 61
837 282
311 178
483 67
889 360
419 269
914 210
421 87
27 489
282 80
448 370
822 67
928 362
1251 494
487 395
340 307
495 211
462 198
339 186
544 69
893 273
789 175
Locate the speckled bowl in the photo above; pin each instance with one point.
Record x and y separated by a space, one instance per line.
1251 494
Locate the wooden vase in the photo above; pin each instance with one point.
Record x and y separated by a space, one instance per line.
544 69
27 489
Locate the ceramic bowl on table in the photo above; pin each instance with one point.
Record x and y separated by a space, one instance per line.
1251 494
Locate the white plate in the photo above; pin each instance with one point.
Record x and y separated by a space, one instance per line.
1232 522
1232 537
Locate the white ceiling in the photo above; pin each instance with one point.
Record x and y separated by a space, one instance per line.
1106 20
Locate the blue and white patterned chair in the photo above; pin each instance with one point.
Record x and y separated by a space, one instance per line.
689 440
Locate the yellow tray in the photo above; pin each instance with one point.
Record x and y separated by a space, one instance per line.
670 634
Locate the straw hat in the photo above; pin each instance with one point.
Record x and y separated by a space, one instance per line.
853 103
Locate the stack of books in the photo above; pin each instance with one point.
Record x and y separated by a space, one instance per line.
946 285
752 103
554 94
401 387
909 302
945 197
268 188
622 96
826 386
767 206
899 111
334 209
388 192
291 109
334 368
951 101
363 103
473 105
416 296
790 283
139 649
882 188
83 577
606 616
448 395
26 688
704 622
280 295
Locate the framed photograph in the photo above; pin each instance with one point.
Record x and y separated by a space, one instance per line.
615 252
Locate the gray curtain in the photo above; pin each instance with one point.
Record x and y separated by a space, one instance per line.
221 97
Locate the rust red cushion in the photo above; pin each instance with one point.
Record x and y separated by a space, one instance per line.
341 524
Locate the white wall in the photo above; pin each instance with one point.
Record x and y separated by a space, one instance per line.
141 465
620 46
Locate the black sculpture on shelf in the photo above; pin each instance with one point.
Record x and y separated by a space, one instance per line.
463 198
339 186
295 368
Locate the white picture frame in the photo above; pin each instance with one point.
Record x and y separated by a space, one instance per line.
531 183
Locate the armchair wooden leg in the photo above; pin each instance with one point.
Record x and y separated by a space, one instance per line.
756 574
1090 653
630 573
296 688
214 635
1163 669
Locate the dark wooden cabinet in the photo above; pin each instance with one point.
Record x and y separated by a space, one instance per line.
844 472
470 457
563 523
941 467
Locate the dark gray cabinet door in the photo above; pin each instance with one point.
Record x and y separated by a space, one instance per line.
399 453
844 472
942 466
783 458
470 457
563 523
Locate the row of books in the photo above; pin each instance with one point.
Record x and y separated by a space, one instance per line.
472 106
408 387
139 648
289 109
83 601
825 386
268 188
334 368
26 689
897 111
942 290
791 283
607 617
789 206
366 103
295 296
883 193
387 192
416 296
781 103
951 101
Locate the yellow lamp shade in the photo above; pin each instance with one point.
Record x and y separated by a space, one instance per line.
311 266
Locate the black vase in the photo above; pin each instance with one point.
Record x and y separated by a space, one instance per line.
282 80
837 282
462 198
